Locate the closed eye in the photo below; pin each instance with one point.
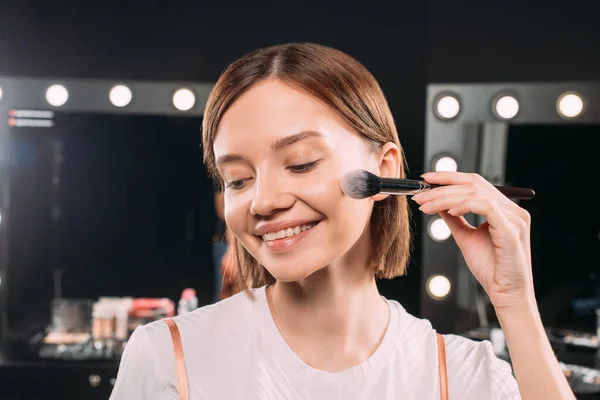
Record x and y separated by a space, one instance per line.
236 185
303 168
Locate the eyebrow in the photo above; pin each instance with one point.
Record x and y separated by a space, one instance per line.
275 146
295 138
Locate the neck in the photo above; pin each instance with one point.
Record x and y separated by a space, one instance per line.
337 310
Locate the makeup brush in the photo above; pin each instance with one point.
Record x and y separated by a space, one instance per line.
361 184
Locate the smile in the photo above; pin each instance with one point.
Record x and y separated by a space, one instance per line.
286 240
289 232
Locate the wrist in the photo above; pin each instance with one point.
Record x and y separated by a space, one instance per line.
521 316
521 303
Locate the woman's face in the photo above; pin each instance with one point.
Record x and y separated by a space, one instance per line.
281 154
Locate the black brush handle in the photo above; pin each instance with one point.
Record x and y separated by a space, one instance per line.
516 193
402 186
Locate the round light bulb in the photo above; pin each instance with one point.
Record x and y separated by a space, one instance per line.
438 286
120 96
448 107
438 230
570 105
57 95
184 99
507 107
446 164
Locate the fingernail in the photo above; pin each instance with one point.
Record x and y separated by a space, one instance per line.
428 174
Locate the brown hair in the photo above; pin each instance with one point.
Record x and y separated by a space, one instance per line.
346 86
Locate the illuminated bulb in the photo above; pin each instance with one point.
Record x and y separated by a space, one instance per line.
438 286
446 164
570 105
57 95
448 107
507 107
120 96
184 99
0 92
438 230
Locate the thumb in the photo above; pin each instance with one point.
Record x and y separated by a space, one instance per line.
458 225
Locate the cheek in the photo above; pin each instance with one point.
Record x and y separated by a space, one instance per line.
326 197
235 212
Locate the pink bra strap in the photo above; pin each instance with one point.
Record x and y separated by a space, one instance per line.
442 367
182 386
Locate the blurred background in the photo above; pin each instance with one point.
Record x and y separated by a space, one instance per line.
107 217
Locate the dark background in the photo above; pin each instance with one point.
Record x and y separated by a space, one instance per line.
406 45
565 225
136 212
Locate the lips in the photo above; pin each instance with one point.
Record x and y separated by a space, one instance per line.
274 227
288 243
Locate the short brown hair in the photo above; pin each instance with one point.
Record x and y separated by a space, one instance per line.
346 86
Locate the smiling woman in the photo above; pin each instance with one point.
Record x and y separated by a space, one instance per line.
277 148
292 120
281 127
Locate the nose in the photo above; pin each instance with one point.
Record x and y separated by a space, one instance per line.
270 197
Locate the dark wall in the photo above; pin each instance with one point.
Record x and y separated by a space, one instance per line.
511 40
405 45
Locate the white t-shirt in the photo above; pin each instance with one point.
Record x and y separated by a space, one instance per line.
233 350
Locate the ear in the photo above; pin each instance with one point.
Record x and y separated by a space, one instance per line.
389 161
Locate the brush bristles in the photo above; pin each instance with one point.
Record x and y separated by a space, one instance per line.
360 184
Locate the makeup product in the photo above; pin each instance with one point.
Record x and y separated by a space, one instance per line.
361 184
188 302
108 321
97 321
121 322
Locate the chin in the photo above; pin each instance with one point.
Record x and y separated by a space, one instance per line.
293 269
290 275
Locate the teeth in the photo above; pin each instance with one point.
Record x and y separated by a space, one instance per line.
267 237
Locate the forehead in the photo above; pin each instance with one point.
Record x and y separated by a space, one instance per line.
271 110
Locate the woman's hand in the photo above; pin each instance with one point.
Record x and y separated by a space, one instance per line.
497 252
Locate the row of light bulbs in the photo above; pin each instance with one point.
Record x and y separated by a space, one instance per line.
119 95
569 105
506 106
437 228
438 286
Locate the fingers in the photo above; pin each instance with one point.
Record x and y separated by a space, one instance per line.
452 178
495 216
468 182
459 201
443 202
429 195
